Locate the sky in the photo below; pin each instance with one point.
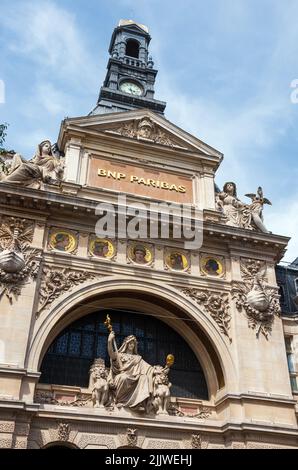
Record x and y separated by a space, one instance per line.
225 70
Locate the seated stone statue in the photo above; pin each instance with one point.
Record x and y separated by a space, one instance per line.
237 214
43 168
99 383
130 375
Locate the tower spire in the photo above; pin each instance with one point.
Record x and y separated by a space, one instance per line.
130 78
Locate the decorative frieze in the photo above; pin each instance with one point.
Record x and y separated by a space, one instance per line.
260 302
216 304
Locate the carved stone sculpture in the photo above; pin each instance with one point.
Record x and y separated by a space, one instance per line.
238 214
256 208
44 167
17 259
99 383
147 130
235 212
260 302
131 437
137 384
161 390
63 431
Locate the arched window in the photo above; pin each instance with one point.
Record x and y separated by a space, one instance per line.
132 48
68 360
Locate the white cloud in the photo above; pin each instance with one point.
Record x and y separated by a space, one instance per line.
284 219
49 37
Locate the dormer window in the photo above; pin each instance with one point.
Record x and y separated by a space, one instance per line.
132 48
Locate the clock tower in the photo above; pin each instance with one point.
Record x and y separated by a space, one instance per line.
130 78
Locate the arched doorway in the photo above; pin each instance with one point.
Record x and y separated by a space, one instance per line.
59 446
68 359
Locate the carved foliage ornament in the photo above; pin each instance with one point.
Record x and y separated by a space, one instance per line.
260 302
18 262
56 282
215 304
145 129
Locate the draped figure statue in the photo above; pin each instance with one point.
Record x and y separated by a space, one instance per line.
43 168
130 376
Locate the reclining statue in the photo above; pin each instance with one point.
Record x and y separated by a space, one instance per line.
44 167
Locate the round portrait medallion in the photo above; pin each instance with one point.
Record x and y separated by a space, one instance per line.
140 254
211 266
102 248
63 241
177 261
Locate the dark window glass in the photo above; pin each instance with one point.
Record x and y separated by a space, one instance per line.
68 360
132 48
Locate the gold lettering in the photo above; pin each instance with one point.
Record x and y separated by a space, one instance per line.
182 189
151 183
164 185
101 172
133 178
173 187
141 181
112 174
121 176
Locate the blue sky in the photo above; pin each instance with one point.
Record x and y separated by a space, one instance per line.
225 69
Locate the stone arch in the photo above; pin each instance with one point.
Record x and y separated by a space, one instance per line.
59 445
186 317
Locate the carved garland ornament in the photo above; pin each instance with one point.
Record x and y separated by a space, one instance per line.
56 282
260 302
215 304
18 262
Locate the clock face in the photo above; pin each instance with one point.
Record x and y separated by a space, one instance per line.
132 88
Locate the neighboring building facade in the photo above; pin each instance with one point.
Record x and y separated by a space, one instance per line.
66 291
287 280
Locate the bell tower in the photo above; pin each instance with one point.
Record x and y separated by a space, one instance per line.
130 78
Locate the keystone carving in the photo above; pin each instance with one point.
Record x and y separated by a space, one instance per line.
215 304
260 302
63 431
131 437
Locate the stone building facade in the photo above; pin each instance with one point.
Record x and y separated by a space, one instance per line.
214 305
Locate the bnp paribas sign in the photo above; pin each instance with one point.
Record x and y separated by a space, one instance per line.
134 179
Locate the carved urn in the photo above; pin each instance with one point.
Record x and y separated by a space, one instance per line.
11 261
